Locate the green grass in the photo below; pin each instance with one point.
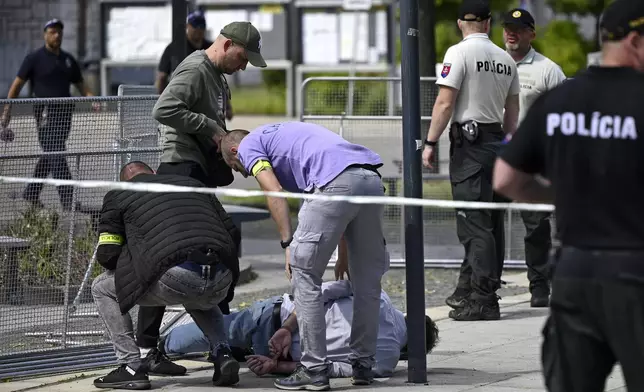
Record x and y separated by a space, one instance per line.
259 100
256 201
436 190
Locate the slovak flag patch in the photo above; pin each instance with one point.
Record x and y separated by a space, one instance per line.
446 68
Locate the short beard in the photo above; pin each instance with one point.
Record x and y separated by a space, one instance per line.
512 47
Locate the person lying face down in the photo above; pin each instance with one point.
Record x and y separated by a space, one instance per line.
266 334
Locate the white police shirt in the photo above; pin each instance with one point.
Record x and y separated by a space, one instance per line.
537 74
485 76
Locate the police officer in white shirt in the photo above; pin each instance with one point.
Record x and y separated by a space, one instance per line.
478 81
537 74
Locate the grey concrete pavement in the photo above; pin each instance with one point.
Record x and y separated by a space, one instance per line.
471 356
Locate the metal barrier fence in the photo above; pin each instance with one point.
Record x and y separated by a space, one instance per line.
48 235
325 101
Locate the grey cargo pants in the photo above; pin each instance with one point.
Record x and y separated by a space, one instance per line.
320 226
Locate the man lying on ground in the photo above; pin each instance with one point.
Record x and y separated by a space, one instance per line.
270 326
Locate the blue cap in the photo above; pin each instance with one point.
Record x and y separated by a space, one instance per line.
197 20
54 22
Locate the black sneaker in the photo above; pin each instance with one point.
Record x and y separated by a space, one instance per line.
362 375
540 297
303 379
124 377
458 299
158 364
477 310
226 368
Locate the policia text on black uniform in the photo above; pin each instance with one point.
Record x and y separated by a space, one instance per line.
585 138
478 81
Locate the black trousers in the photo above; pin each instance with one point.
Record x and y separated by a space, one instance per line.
596 320
537 246
150 318
481 232
52 136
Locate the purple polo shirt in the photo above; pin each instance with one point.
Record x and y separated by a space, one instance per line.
304 156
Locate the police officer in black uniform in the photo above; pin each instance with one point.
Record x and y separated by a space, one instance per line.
479 92
586 137
51 71
196 40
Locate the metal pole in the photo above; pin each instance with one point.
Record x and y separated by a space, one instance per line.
415 272
70 251
179 41
352 69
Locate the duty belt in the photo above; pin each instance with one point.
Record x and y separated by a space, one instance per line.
373 168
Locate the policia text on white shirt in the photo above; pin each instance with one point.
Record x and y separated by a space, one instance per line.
478 82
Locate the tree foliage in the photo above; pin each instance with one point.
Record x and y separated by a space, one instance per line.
563 44
579 7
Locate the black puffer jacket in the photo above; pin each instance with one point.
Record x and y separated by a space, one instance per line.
163 230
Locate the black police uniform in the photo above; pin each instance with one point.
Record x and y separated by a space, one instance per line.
586 137
474 147
169 61
50 76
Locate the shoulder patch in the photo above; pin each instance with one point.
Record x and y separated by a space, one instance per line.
446 69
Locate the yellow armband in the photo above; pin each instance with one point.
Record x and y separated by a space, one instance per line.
259 166
108 238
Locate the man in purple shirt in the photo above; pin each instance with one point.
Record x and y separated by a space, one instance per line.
305 157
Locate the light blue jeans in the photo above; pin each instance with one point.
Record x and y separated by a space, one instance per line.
248 328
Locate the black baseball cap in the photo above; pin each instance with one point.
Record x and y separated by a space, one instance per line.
197 20
474 11
246 35
620 18
518 17
54 23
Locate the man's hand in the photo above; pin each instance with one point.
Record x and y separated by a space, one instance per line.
261 365
341 268
97 107
287 264
428 156
6 117
280 344
6 135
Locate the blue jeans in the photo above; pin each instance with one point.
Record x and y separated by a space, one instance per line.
250 328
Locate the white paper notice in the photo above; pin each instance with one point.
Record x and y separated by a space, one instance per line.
354 30
217 19
382 31
262 20
138 33
320 38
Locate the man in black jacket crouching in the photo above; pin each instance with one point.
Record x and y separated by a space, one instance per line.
164 249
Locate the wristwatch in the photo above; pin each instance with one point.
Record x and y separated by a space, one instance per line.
430 143
285 244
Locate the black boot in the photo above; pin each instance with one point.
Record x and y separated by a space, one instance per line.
226 368
478 309
458 299
540 296
158 364
124 377
361 375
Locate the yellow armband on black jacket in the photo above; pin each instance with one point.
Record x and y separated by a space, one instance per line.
111 239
